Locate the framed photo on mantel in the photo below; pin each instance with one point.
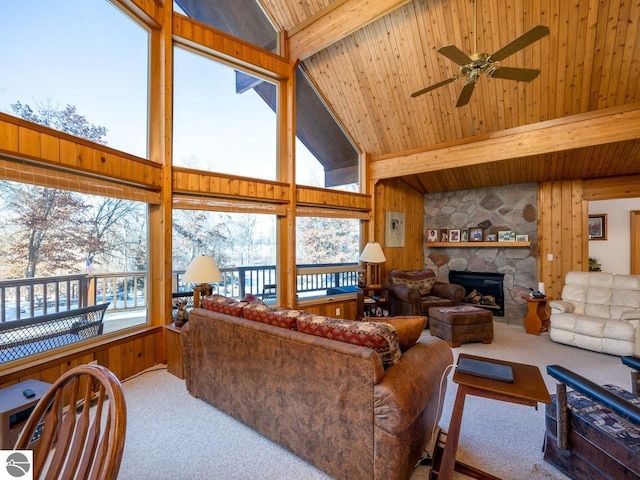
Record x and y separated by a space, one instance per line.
475 234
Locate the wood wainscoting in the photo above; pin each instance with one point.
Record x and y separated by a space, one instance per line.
125 356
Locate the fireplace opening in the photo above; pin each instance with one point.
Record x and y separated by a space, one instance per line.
482 289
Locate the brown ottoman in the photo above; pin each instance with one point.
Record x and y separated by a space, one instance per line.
461 324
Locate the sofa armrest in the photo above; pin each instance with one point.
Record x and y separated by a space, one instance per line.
411 385
560 306
451 291
404 293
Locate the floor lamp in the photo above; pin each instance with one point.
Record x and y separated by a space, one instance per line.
202 270
373 256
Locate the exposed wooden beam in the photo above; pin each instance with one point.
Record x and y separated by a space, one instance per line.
333 23
578 131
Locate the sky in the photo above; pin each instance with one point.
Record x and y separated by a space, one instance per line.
54 52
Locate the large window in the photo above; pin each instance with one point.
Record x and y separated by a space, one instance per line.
78 60
61 251
327 251
242 244
244 19
221 122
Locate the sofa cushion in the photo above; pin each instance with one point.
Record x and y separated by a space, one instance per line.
279 317
381 337
222 304
409 328
421 280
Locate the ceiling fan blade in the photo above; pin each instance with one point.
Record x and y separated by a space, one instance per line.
454 53
465 95
524 40
518 74
434 86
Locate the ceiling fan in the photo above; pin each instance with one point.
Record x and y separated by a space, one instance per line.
472 67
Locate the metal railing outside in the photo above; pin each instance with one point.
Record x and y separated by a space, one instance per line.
128 291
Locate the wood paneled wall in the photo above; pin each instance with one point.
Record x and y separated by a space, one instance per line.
125 357
562 228
563 224
393 195
332 308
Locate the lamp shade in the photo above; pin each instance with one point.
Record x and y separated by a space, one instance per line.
372 253
202 269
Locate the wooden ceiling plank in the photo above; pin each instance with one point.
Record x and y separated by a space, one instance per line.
633 80
629 52
615 38
419 77
598 56
561 58
396 76
405 21
447 30
578 131
335 23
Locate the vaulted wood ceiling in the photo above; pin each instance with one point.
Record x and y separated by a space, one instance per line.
579 119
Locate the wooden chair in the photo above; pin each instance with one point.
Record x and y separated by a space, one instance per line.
77 429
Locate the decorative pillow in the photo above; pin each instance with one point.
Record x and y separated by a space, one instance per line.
409 328
251 298
279 317
421 280
381 337
222 304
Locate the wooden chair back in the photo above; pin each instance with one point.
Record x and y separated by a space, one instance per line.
77 429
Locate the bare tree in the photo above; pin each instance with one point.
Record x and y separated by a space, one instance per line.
45 230
66 119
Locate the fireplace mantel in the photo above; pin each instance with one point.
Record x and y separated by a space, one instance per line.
478 244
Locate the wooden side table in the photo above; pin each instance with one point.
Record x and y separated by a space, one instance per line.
372 302
174 351
15 409
528 388
537 319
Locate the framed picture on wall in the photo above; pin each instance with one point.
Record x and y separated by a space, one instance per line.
444 234
394 229
432 235
464 235
454 235
598 226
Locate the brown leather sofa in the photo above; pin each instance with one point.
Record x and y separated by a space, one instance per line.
414 292
332 404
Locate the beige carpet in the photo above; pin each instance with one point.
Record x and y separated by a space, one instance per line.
171 435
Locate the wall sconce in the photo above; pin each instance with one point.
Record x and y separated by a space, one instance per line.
202 270
373 256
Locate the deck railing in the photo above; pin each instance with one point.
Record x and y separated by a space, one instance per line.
32 297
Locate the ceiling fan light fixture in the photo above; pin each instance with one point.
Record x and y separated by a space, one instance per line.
475 65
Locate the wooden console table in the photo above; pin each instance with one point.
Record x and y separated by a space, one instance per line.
537 319
528 388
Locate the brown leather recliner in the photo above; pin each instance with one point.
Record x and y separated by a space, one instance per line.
413 292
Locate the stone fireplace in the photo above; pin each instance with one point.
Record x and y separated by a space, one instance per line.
511 207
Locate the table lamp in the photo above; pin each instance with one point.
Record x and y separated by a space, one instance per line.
373 256
202 270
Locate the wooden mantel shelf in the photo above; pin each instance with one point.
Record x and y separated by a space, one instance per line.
478 244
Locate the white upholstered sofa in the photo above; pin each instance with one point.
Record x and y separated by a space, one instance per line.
599 311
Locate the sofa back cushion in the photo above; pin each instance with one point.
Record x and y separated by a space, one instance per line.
421 280
602 294
279 317
222 304
409 328
625 295
381 337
